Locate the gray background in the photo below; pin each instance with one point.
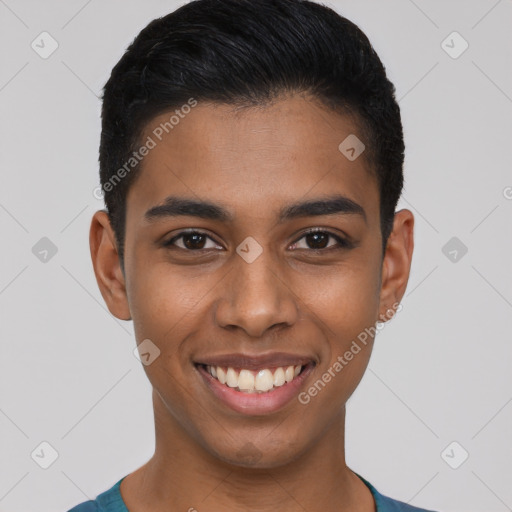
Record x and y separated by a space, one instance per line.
440 371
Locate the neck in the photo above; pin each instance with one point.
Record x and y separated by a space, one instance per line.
183 475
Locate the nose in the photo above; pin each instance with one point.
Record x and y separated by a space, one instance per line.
256 298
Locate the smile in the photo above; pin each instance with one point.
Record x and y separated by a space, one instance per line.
255 385
251 381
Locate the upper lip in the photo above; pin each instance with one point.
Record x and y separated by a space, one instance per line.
255 362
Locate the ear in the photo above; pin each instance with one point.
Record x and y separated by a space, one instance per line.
396 264
107 266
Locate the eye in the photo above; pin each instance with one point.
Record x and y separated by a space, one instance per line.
192 241
314 239
318 239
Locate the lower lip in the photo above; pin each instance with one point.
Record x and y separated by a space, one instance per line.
256 403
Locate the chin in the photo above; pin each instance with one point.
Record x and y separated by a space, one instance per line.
258 455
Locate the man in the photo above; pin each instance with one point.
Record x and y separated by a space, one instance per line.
251 160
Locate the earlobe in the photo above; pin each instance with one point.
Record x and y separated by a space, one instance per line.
107 266
396 265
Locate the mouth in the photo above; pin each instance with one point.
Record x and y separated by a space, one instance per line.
255 385
254 381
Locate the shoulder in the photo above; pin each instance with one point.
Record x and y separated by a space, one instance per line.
108 501
86 506
386 504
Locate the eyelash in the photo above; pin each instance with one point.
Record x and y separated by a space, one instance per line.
342 242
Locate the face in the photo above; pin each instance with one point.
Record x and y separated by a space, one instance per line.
253 262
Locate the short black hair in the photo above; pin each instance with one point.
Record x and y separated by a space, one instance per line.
247 53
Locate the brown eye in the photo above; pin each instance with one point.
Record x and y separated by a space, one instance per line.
194 241
191 241
320 240
317 240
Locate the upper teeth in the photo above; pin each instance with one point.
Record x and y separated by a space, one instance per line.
249 381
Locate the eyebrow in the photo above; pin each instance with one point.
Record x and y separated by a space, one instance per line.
174 206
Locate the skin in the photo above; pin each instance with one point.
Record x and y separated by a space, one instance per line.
253 161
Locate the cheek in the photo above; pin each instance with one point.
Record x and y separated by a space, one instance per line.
164 309
162 301
345 305
346 301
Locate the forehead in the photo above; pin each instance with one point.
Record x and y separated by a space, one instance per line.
249 157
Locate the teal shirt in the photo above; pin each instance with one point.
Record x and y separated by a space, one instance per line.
111 501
